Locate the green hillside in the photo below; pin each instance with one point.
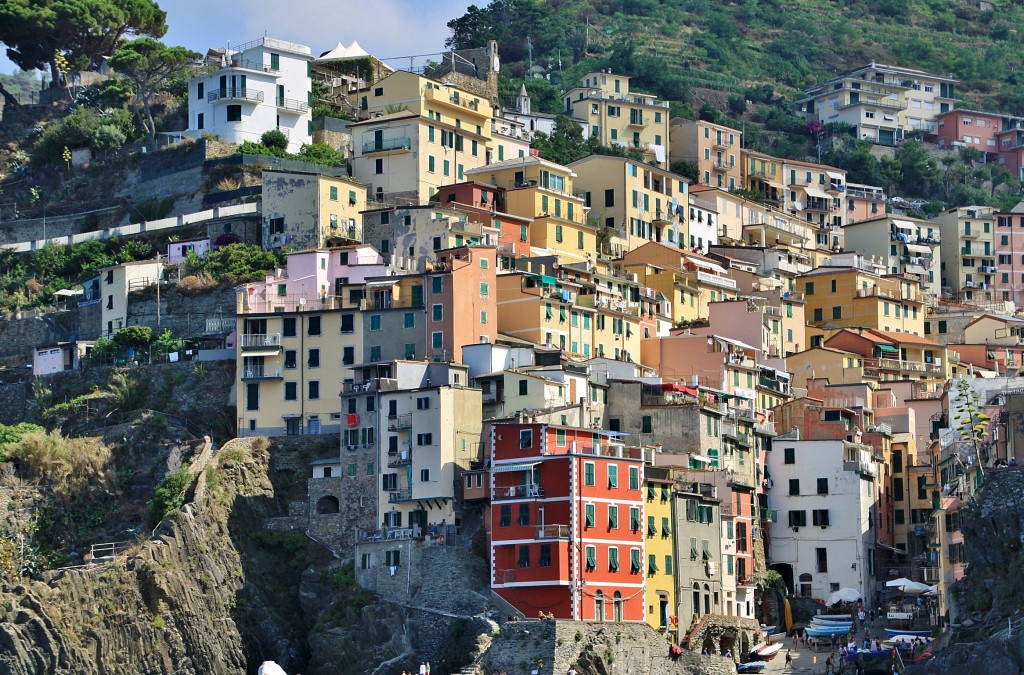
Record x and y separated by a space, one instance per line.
673 46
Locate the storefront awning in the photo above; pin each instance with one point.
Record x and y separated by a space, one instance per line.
889 349
515 466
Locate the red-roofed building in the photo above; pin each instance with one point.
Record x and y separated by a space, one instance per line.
567 514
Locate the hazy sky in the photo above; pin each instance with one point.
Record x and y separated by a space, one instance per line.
385 28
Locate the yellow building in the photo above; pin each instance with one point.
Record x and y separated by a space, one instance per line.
968 252
881 102
419 134
852 292
714 148
542 190
311 210
659 542
614 116
637 202
696 280
544 310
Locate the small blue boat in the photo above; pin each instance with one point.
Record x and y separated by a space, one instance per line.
821 630
842 618
893 632
752 667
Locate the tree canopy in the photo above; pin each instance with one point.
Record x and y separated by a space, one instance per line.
82 31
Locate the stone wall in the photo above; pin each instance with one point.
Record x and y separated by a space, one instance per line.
721 635
183 313
552 647
14 401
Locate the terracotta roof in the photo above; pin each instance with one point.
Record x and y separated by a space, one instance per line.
897 336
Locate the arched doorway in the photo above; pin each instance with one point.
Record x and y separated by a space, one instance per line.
617 606
599 606
707 599
696 599
786 571
327 505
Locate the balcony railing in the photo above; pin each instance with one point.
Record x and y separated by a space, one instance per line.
235 93
261 341
400 458
401 143
291 104
553 532
400 495
397 422
260 373
715 280
528 491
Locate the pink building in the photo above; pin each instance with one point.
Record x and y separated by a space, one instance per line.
1008 281
1011 151
969 129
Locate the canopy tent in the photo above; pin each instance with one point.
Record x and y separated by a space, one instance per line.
343 53
844 595
909 587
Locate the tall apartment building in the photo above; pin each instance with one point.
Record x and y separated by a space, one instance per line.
881 102
567 514
418 135
244 91
1008 242
968 252
902 245
615 116
310 210
714 148
637 202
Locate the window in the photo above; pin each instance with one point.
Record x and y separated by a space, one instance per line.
424 439
645 424
821 559
524 556
666 529
523 387
524 515
634 519
290 358
410 320
234 113
288 327
591 558
375 322
634 478
526 439
313 326
590 517
797 518
291 391
613 517
545 556
506 515
314 390
484 290
588 474
613 559
819 517
823 486
425 475
437 312
668 564
613 476
314 358
652 528
789 455
634 561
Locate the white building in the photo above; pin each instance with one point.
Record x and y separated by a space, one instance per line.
116 282
245 91
823 491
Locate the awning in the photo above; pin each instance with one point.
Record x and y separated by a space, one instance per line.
816 193
515 466
917 248
835 175
706 265
385 282
260 352
701 458
903 224
887 348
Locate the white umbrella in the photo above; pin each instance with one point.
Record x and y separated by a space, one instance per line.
271 668
909 587
844 595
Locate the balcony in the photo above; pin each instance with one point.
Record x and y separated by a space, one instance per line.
379 384
400 458
454 99
399 422
715 280
636 121
240 63
399 495
291 105
553 532
818 205
385 144
260 373
723 165
235 94
261 341
528 491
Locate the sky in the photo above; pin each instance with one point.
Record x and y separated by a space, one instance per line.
384 28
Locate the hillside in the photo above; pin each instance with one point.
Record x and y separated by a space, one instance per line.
736 44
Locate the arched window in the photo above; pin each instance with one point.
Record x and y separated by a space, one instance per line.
599 606
328 505
617 605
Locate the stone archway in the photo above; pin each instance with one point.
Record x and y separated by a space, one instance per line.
786 571
328 505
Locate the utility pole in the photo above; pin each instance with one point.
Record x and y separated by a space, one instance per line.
159 275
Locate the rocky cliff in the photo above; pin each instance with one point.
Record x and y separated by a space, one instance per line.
209 592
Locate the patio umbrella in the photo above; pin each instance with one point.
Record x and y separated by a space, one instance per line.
844 595
909 587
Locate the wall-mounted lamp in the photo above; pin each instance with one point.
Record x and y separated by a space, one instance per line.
853 566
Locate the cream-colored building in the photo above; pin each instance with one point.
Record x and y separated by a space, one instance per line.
310 210
968 252
637 201
903 245
881 102
714 148
615 116
425 421
116 282
420 134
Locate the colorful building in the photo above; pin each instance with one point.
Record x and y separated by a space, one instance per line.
1008 244
310 210
567 514
714 148
968 253
660 550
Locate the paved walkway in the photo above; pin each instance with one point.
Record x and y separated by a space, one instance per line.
806 660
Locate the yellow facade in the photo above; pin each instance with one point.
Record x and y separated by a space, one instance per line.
532 307
638 202
659 543
715 149
845 296
711 282
682 293
420 134
617 117
308 210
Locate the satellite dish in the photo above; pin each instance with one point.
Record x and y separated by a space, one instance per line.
302 301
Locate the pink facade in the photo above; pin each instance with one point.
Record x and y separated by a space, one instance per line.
1008 281
485 204
1011 151
970 129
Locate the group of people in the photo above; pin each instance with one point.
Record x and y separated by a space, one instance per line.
423 670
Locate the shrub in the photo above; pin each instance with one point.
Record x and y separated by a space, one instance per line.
169 496
108 137
275 139
133 336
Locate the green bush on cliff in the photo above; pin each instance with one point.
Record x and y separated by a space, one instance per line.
169 496
11 436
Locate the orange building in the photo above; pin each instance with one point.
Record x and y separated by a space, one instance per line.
567 510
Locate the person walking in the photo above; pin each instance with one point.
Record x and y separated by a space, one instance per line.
830 663
789 660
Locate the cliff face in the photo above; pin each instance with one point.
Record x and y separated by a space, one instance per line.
208 593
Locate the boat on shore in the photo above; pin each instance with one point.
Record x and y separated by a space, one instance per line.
768 630
768 652
895 632
751 667
827 630
842 618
